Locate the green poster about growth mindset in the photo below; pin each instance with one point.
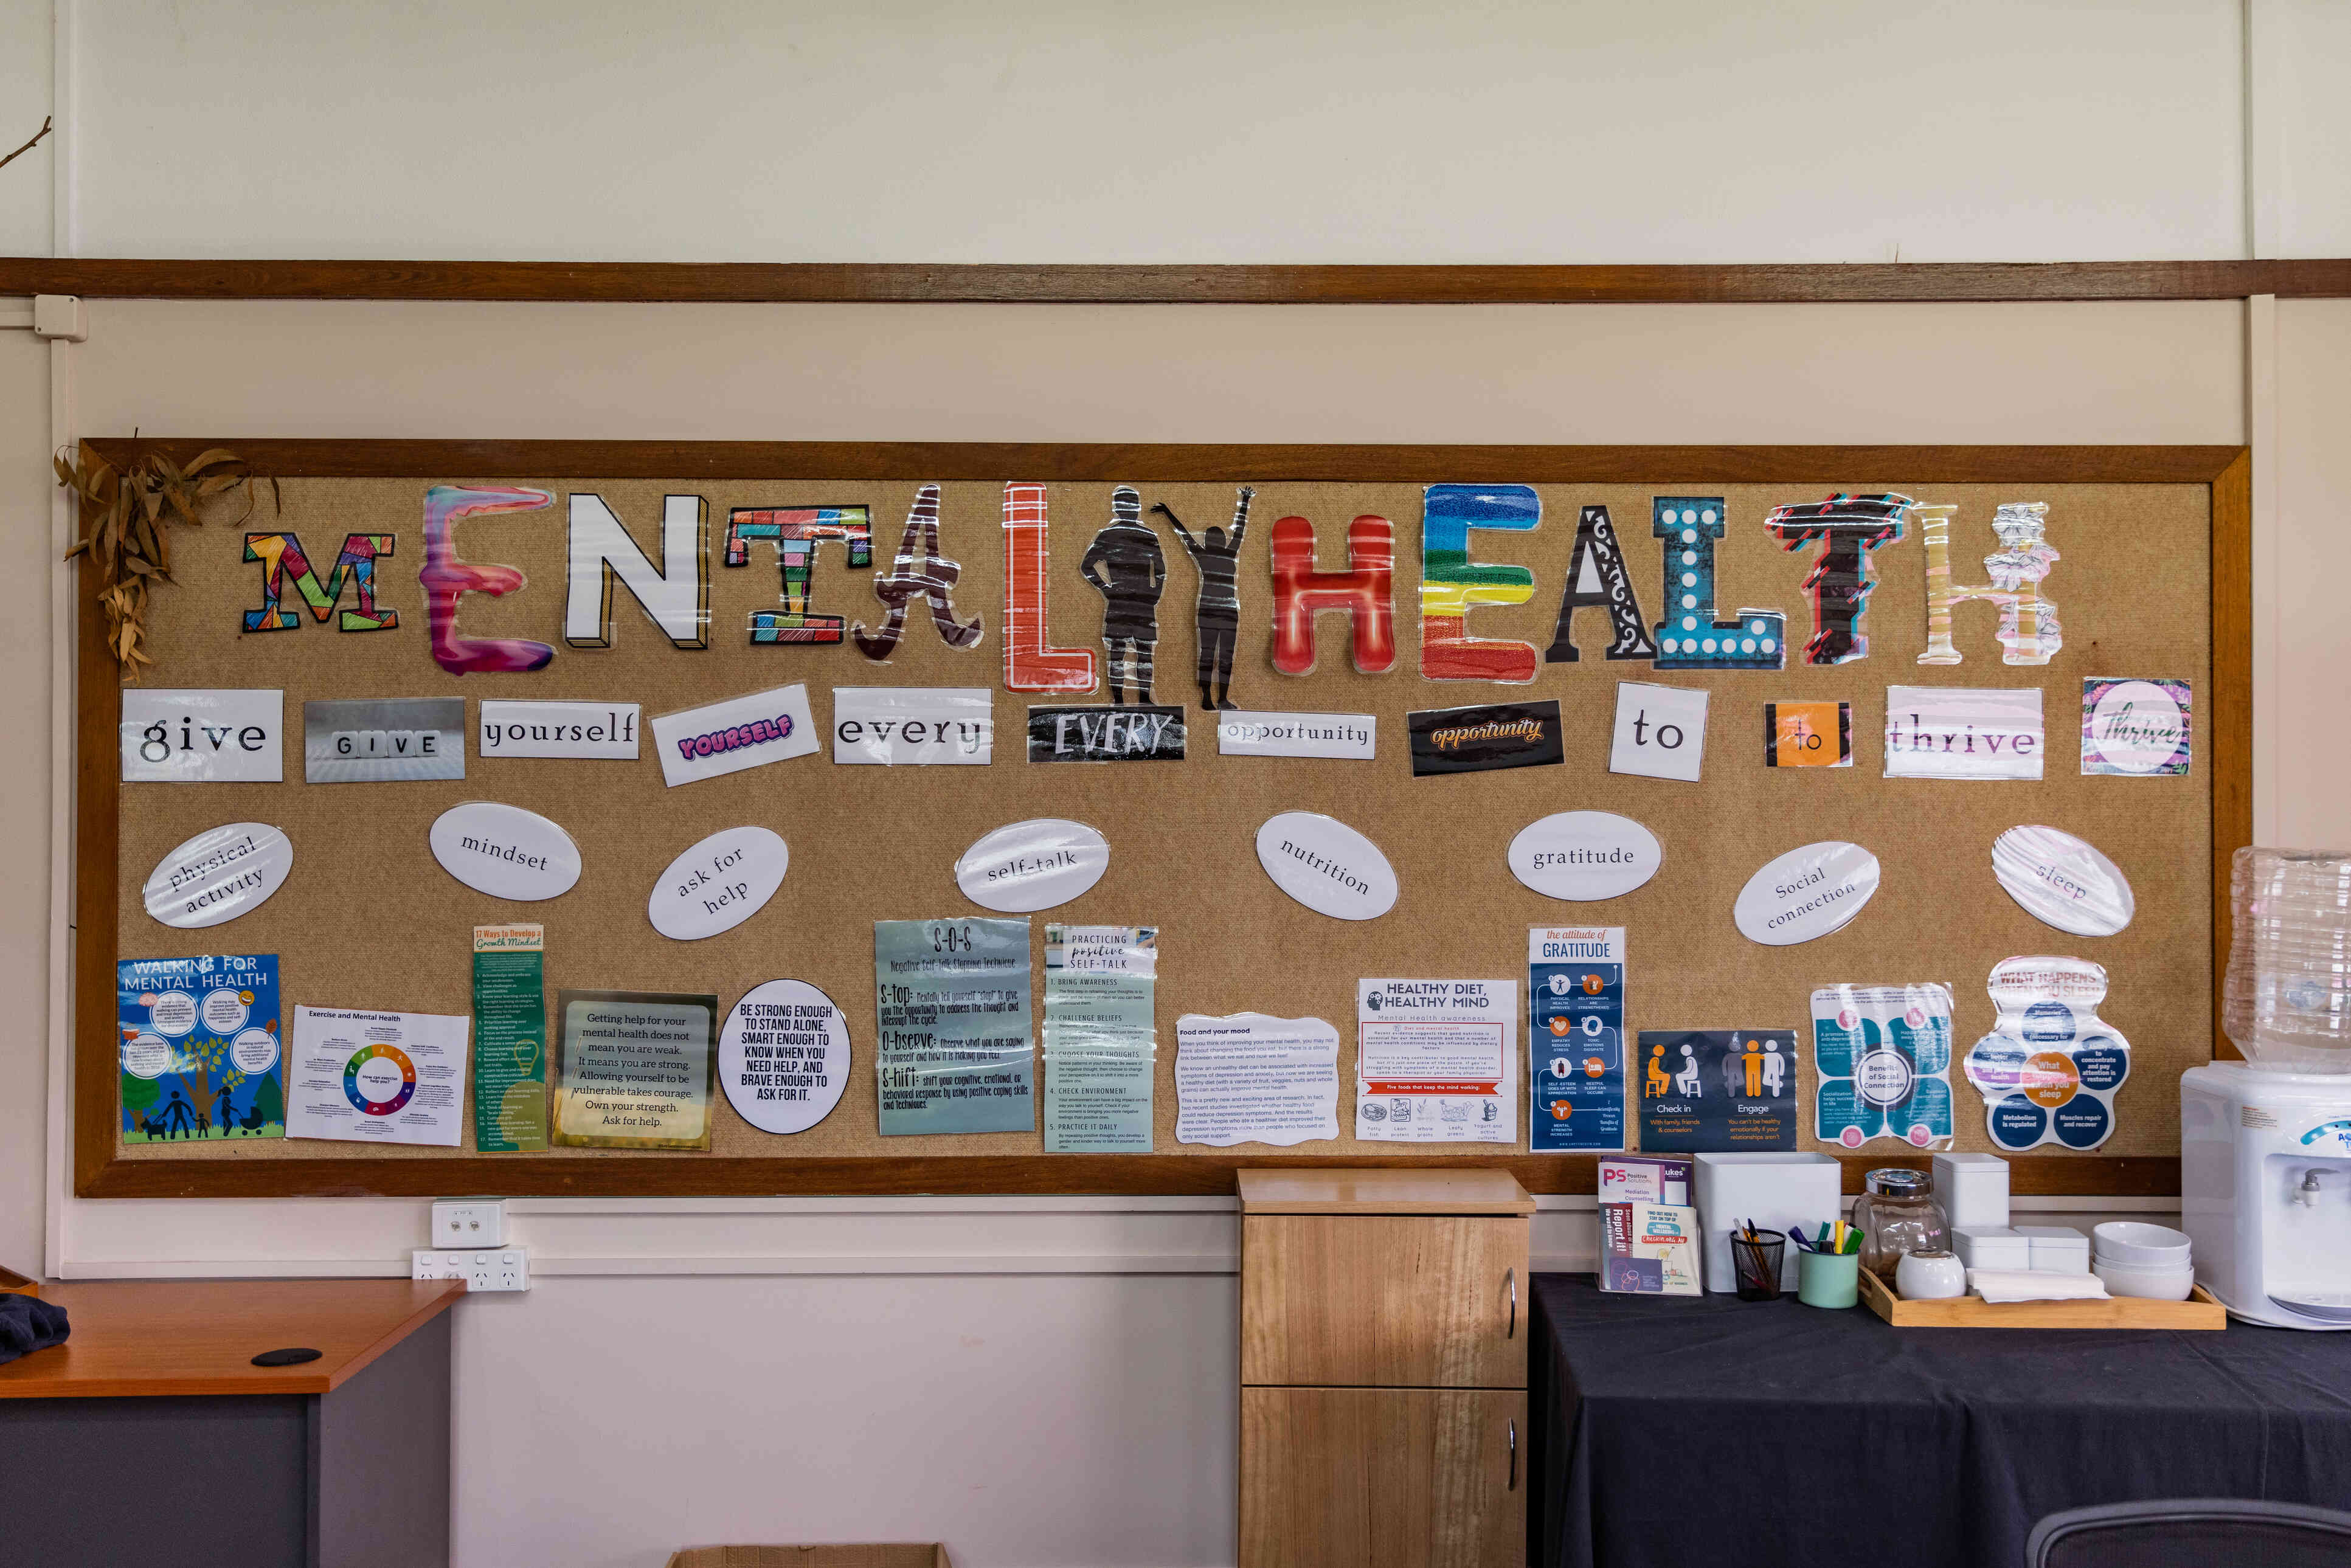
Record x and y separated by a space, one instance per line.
509 1038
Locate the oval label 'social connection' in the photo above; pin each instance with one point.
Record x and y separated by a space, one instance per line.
1326 866
718 883
219 874
1029 866
505 851
1806 893
2063 882
783 1056
1584 855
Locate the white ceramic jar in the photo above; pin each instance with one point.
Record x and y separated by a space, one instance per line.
1931 1276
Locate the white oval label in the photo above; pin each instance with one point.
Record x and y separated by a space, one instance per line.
1326 866
1806 893
2063 882
1584 855
783 1056
718 883
1028 866
505 851
219 874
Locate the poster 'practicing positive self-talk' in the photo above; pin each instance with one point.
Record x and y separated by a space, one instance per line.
1437 1061
200 1048
378 1078
1884 1057
1718 1091
1099 1046
1575 1036
951 1003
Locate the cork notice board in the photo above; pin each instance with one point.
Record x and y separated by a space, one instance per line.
2151 585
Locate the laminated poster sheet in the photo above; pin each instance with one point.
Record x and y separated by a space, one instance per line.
1435 1062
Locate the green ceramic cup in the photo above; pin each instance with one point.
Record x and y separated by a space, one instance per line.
1828 1280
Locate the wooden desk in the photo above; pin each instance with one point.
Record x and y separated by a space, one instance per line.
149 1436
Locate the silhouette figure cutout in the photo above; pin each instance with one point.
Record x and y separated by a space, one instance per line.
1215 555
1132 575
176 1114
1657 1082
1686 1082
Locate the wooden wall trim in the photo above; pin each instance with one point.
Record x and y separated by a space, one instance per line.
101 1170
902 283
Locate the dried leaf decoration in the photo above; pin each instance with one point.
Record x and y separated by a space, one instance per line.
129 515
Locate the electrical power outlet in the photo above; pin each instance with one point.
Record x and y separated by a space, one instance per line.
482 1269
469 1222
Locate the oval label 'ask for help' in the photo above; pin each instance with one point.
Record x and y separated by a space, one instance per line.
1584 855
1806 893
505 851
1026 866
2063 882
718 883
1326 866
219 874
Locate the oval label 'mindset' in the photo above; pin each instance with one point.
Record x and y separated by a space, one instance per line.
1326 866
1806 893
1024 867
1584 855
718 883
219 874
2063 882
505 851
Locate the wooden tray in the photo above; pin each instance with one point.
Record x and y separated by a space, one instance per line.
2200 1310
15 1284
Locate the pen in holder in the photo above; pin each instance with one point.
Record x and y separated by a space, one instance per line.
1755 1257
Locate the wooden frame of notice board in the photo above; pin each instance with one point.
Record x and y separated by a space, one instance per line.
100 1170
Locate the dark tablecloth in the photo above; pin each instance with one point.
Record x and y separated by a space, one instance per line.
1676 1431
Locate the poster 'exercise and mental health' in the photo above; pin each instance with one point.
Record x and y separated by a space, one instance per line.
1575 1036
951 1007
202 1047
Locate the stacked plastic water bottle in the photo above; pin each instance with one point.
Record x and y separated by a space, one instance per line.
2287 1000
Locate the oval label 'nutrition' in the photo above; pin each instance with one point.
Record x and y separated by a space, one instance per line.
505 851
1806 893
1028 866
1326 866
1584 855
219 874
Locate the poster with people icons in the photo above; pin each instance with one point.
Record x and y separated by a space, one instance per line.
1716 1090
1575 1036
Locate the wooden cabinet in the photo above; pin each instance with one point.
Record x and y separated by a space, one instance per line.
1384 1369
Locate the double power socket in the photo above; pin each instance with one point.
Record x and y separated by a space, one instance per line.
469 1243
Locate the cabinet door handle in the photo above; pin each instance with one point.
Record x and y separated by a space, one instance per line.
1511 1283
1514 1455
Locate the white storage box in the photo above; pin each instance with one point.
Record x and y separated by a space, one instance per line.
1973 1190
2059 1248
1776 1191
1991 1247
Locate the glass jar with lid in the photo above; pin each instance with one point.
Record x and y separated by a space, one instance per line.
1897 1213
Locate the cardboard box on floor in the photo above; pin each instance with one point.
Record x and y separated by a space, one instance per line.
903 1556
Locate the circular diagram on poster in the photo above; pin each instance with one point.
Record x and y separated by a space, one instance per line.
783 1056
379 1080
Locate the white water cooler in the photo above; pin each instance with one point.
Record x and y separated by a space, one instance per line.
2265 1191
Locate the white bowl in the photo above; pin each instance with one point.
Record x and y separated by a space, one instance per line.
2131 1242
2148 1284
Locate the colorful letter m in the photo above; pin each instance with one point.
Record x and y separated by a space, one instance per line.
281 557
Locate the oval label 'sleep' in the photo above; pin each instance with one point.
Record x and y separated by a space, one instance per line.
2063 882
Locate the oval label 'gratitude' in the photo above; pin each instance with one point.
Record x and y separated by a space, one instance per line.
783 1056
718 883
219 874
505 851
1028 866
1805 894
1584 855
2063 882
1326 866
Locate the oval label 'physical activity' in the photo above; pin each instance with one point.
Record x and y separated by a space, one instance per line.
1806 893
2063 882
219 874
1326 866
718 883
783 1056
1584 855
1029 866
505 851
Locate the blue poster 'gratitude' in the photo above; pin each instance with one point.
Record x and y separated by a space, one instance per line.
1575 1036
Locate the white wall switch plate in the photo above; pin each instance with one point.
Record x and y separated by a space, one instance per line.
469 1222
482 1268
